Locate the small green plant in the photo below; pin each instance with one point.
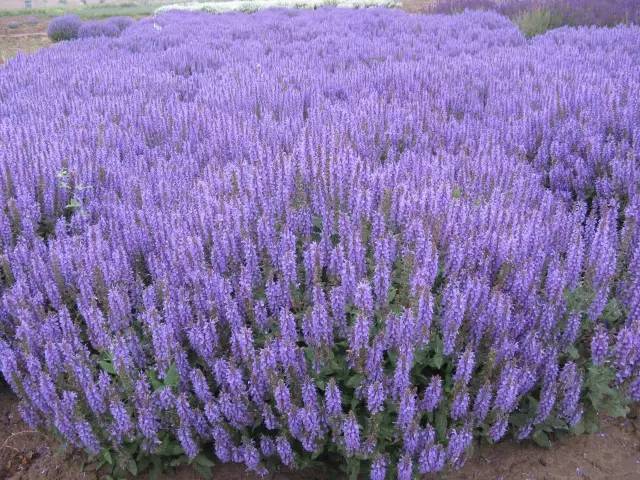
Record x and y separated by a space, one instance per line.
536 22
66 181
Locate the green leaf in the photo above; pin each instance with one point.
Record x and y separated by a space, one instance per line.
392 294
153 378
310 354
171 377
203 460
106 455
353 468
132 467
590 419
616 409
579 428
132 447
181 460
170 448
396 308
541 439
204 472
73 204
144 462
519 419
580 299
554 423
156 470
354 380
440 421
612 313
437 346
107 366
436 361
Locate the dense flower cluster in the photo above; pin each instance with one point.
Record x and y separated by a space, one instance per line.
564 12
371 233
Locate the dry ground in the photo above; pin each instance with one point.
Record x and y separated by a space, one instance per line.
24 34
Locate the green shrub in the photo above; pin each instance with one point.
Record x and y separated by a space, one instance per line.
538 21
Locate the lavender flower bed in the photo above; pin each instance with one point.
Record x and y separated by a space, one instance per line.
294 235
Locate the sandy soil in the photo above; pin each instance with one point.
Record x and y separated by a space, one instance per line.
612 454
21 34
416 5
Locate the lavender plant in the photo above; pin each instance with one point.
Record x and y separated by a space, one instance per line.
305 236
64 28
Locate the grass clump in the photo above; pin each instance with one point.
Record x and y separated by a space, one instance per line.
536 22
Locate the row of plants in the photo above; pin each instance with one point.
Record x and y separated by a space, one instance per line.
71 27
